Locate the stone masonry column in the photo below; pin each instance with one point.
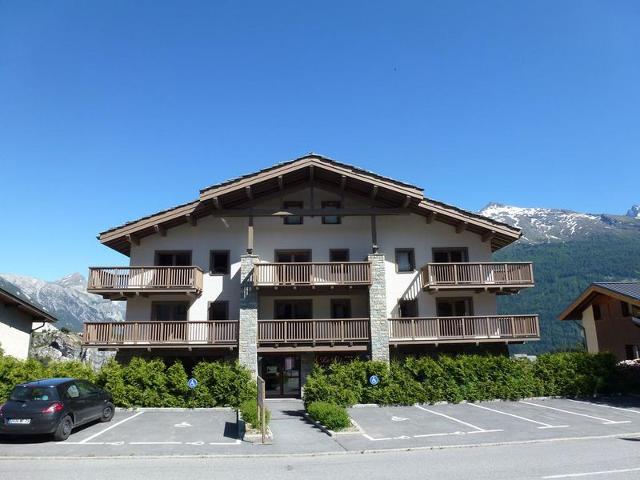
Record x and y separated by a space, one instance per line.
378 309
248 324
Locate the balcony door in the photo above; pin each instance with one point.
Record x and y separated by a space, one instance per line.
175 314
291 256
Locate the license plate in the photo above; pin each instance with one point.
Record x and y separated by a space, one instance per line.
19 421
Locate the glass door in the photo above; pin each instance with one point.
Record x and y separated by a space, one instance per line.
281 376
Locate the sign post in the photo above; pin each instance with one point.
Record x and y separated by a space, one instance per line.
261 407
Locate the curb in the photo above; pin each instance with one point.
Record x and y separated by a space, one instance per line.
174 409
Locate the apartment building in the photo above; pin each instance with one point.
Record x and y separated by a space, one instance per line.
308 261
610 316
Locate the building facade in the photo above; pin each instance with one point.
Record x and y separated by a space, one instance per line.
18 319
610 316
310 261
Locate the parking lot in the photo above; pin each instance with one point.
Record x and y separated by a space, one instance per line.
491 422
177 432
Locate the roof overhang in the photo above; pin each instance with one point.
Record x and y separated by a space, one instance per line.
586 298
36 313
228 198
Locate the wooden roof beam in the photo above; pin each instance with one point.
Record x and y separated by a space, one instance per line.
343 182
407 201
193 221
161 230
487 236
248 192
430 217
132 239
374 192
461 227
216 203
280 182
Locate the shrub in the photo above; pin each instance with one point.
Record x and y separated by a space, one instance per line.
222 384
249 410
466 377
332 416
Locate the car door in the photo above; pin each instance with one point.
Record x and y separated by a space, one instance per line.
93 399
76 402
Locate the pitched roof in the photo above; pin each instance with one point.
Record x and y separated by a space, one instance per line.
38 313
629 289
233 192
624 291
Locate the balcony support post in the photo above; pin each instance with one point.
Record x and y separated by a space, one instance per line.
248 324
379 324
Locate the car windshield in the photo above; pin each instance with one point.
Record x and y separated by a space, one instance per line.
25 393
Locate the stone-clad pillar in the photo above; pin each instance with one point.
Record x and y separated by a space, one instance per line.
248 325
378 309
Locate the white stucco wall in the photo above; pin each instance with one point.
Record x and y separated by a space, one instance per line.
15 331
401 231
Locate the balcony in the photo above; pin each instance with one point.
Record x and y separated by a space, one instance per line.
477 329
312 274
118 282
216 333
350 334
497 277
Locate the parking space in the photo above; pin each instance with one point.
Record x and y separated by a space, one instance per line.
141 432
492 422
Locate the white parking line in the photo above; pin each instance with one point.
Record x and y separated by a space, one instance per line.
427 435
605 421
452 419
155 443
544 425
604 406
587 474
109 428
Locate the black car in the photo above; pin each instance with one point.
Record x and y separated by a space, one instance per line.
54 406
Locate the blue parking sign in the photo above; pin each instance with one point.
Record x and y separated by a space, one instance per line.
374 380
192 383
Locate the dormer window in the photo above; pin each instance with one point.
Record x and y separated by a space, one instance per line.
331 219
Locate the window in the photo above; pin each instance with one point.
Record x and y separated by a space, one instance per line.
408 308
450 255
86 388
625 309
173 259
219 262
291 309
339 255
635 311
454 307
219 310
632 351
169 311
405 260
331 219
340 308
73 391
293 219
289 256
597 313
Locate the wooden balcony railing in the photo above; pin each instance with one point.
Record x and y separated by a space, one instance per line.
314 331
311 274
209 333
443 276
150 279
453 329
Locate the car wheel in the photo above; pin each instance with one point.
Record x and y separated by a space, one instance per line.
107 412
64 429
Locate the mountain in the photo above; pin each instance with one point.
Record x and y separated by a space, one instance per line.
66 299
569 251
553 225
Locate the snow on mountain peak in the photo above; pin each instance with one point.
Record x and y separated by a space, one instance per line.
634 211
75 280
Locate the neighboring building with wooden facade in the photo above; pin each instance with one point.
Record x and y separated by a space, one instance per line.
307 261
17 318
610 314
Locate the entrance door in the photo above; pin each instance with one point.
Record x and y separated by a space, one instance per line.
281 376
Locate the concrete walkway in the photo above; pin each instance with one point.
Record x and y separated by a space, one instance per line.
293 433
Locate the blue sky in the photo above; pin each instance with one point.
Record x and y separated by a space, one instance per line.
113 110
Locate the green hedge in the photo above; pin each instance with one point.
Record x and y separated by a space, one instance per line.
249 411
332 416
464 377
143 383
